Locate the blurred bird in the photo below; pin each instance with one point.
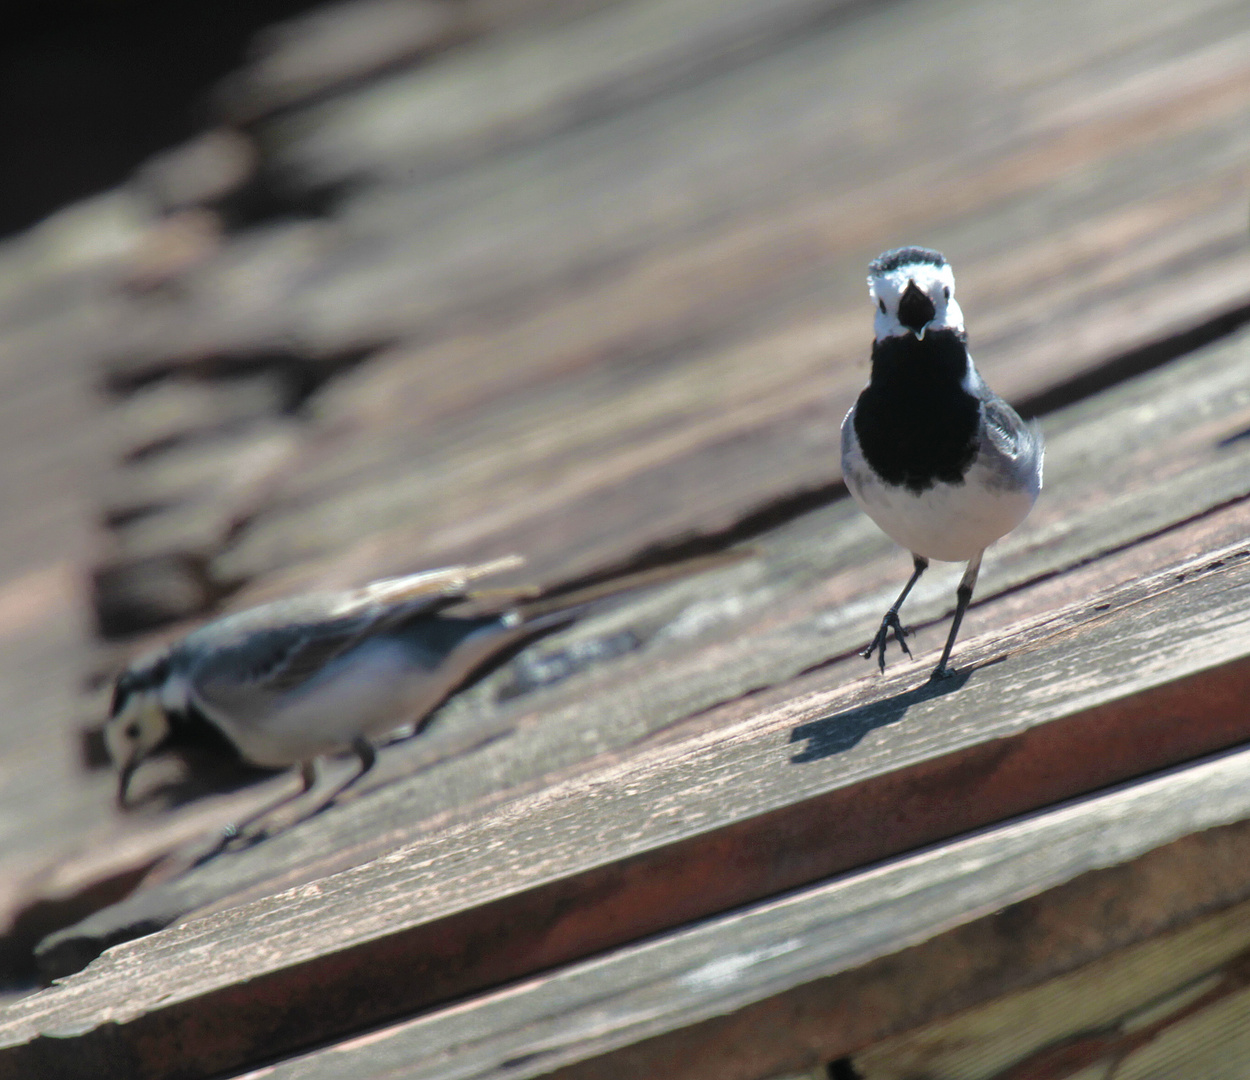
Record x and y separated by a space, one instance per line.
284 683
938 460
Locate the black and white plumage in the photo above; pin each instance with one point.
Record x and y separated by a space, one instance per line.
938 460
286 682
292 680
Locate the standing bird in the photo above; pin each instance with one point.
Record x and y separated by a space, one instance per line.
938 460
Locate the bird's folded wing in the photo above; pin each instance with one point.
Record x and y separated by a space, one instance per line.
1008 434
242 679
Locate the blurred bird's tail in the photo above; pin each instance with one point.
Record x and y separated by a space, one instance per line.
567 604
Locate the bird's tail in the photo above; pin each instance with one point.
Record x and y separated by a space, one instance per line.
568 604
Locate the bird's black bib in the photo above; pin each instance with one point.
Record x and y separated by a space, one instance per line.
915 423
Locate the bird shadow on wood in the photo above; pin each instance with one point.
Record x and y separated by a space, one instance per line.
840 732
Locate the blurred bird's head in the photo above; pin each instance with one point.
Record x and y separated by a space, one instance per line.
138 724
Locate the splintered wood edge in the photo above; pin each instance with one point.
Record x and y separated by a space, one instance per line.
305 980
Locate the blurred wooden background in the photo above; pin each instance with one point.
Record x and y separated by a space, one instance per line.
584 279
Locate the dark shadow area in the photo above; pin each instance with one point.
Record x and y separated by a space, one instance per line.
90 90
18 967
834 734
1236 437
1135 362
173 779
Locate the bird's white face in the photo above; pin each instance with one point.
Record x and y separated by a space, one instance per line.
900 294
137 728
138 722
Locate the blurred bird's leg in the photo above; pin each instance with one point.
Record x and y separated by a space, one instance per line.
241 834
367 756
276 823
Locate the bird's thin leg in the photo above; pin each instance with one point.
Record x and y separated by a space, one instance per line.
364 751
963 597
368 757
236 835
890 621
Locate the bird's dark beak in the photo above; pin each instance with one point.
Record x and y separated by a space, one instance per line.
915 309
123 782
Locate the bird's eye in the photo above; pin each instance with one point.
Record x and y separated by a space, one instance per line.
881 305
132 730
946 291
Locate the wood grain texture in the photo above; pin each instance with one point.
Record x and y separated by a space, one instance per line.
810 598
784 953
615 269
702 435
1176 1003
994 955
633 328
785 792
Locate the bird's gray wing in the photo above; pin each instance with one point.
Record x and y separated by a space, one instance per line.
1010 445
279 659
245 660
1007 432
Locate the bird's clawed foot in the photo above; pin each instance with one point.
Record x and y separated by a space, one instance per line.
942 672
889 623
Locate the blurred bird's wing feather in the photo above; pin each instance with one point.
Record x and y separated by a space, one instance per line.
242 678
272 657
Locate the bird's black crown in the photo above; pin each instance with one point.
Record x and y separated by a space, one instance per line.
137 678
905 256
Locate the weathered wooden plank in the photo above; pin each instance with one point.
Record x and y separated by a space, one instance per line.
1149 211
308 56
1201 78
811 597
509 243
821 1019
337 47
820 582
1087 180
50 447
467 769
703 440
780 954
769 200
521 88
1158 674
177 412
1180 998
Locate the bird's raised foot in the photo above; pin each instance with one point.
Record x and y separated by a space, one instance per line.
888 623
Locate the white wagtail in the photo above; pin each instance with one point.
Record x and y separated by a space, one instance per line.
286 682
938 460
289 681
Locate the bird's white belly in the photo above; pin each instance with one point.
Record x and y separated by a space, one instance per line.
947 522
377 691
